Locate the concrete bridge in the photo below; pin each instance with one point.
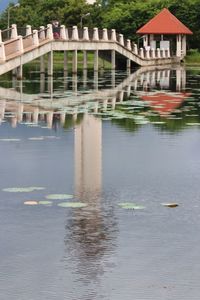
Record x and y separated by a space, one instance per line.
17 50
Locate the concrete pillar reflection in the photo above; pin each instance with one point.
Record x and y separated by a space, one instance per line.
88 157
50 63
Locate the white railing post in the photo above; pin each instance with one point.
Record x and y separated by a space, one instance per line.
2 52
128 45
153 54
42 33
105 34
62 32
49 32
158 52
20 44
135 49
142 52
113 35
85 34
28 29
121 39
35 37
147 54
163 53
168 53
75 36
14 34
95 34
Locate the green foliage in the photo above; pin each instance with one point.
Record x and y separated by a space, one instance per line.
127 16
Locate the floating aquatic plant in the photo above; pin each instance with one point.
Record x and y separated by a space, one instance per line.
59 196
72 204
48 203
129 205
10 140
23 189
31 202
40 138
172 205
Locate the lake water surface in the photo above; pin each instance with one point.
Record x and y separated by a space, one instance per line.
106 139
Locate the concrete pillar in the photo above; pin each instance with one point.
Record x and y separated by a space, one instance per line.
113 78
96 60
19 72
96 81
20 46
75 36
95 34
2 52
66 34
65 61
178 45
141 52
49 32
35 115
75 83
84 78
184 45
14 31
42 33
28 29
0 36
121 39
42 82
135 49
85 34
113 35
163 53
113 59
49 119
147 53
128 45
75 62
128 64
50 86
35 38
42 64
105 34
85 59
50 63
62 32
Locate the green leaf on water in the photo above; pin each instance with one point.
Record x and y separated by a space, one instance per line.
59 196
129 205
48 203
72 204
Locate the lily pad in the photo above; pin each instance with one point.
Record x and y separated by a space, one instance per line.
128 205
171 205
36 138
48 203
59 196
22 189
72 204
10 140
31 202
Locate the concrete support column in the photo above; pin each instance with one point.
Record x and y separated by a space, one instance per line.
128 64
85 59
62 32
113 59
42 82
35 38
96 81
2 52
85 34
50 63
96 60
95 34
42 65
142 52
135 49
113 35
184 45
84 78
49 32
65 61
75 62
14 31
28 29
75 36
105 34
178 45
19 72
121 39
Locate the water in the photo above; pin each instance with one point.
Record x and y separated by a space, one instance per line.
119 139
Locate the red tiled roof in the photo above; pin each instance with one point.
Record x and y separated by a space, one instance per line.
165 103
164 23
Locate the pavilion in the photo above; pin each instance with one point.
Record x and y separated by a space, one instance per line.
165 32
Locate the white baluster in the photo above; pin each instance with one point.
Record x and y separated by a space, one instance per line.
105 34
85 34
95 34
62 32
